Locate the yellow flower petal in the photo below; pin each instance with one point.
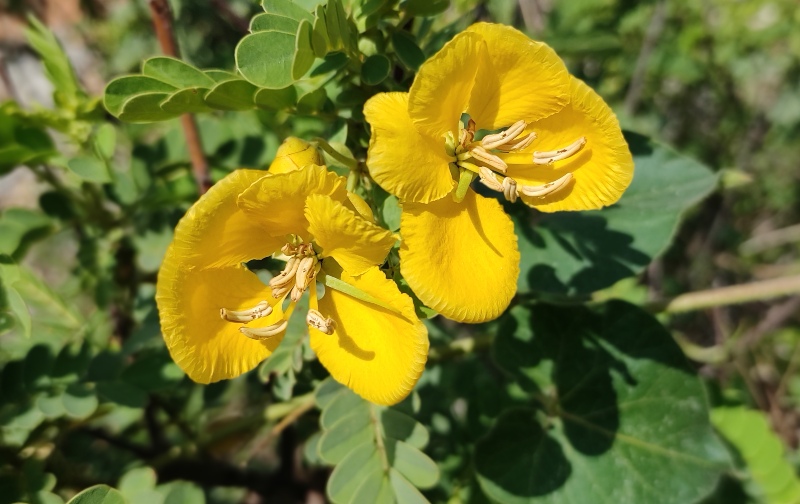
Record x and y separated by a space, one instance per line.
356 244
204 345
214 232
412 166
518 78
601 170
440 92
378 354
277 202
461 259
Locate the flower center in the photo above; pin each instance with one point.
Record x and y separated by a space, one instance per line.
481 158
298 275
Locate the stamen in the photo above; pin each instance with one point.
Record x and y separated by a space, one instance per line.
484 156
262 333
287 274
495 140
489 179
262 309
308 269
525 142
318 321
549 157
545 189
510 189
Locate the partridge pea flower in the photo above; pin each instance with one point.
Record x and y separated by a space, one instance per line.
219 320
531 132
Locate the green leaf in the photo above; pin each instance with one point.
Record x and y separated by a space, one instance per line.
425 7
232 95
183 492
19 227
361 464
619 409
287 9
320 39
347 434
153 372
332 26
90 169
303 51
121 89
138 486
176 73
220 75
276 99
79 401
407 50
186 101
98 494
399 426
375 69
273 22
105 140
266 58
146 107
414 465
761 450
581 252
57 65
122 393
313 101
371 447
391 211
404 491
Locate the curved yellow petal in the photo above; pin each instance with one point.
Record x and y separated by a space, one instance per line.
294 154
601 170
204 345
410 165
518 79
215 232
355 243
461 259
441 90
277 202
380 355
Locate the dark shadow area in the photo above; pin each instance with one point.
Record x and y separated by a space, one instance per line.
521 457
565 253
585 354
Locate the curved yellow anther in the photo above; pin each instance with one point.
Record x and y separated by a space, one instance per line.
262 309
261 333
549 157
545 189
324 324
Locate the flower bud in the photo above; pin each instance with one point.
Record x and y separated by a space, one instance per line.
294 154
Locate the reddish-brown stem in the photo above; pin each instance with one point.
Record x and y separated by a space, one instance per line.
162 21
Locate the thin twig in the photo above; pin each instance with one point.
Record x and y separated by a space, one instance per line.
235 20
651 36
734 294
301 409
162 21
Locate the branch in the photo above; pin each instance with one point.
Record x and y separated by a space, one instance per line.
162 21
735 294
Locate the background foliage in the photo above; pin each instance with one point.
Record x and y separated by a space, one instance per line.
582 392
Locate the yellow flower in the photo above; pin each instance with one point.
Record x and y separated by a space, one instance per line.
219 320
294 154
533 133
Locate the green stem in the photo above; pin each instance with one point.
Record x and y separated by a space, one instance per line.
346 161
734 294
